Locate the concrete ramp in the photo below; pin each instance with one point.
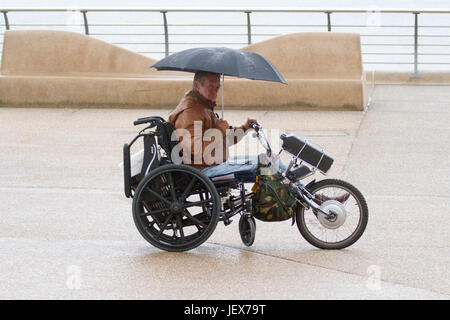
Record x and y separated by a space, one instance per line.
323 70
66 69
63 69
60 53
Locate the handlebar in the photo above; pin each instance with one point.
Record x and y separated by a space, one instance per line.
261 136
256 126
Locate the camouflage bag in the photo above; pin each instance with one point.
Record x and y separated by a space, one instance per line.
271 200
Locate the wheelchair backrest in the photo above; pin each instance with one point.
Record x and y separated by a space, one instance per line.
151 156
153 141
166 137
163 133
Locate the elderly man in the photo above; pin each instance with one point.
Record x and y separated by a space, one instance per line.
194 116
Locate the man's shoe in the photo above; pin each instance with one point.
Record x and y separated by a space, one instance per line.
321 198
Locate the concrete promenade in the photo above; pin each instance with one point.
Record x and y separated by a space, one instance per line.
67 231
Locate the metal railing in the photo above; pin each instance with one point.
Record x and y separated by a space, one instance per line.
249 31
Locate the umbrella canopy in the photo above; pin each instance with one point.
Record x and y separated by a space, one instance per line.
225 61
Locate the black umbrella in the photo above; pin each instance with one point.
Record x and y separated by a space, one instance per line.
224 61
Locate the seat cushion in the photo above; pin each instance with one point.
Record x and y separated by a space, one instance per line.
240 168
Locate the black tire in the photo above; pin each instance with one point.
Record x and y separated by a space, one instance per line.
247 229
166 202
355 198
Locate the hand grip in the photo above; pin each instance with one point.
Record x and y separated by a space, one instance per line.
147 119
255 125
140 121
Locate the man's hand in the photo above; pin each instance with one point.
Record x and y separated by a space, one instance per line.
222 125
246 126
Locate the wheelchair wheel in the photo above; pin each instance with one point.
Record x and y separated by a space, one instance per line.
247 229
176 207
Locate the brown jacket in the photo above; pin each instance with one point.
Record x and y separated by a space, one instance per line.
194 107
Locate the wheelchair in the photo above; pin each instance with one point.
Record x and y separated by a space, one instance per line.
176 207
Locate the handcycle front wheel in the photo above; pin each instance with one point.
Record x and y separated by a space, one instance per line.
176 207
348 220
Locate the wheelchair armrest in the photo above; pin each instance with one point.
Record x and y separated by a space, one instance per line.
148 119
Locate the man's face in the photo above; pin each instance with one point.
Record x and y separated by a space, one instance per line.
209 87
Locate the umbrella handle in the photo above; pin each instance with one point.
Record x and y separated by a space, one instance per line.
223 92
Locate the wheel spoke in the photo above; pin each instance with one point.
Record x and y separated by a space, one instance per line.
158 196
180 227
348 228
196 221
164 225
188 189
150 213
172 186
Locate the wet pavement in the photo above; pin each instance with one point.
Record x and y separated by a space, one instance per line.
67 230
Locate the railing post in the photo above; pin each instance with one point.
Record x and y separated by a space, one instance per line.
86 25
329 20
416 45
249 28
5 15
166 33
